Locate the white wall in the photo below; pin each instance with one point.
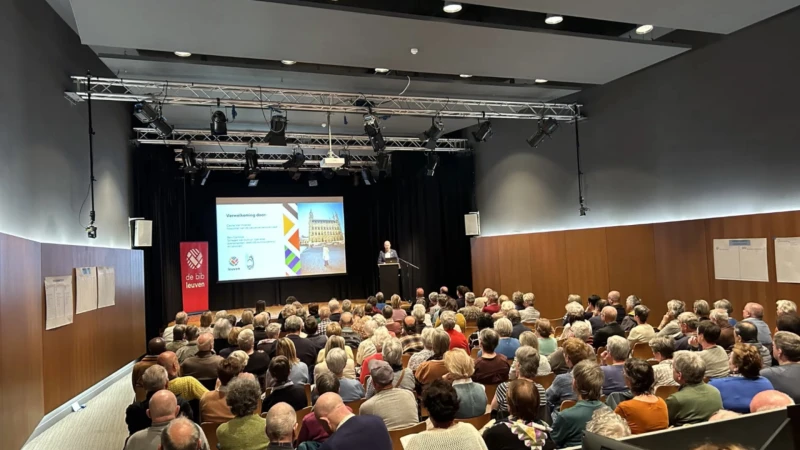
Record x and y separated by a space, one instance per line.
44 150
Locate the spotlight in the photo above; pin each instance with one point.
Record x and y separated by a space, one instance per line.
366 175
328 174
433 162
189 159
205 177
277 130
295 162
546 128
553 19
251 164
433 133
452 7
484 132
219 124
383 161
297 176
644 29
152 118
344 170
183 54
373 129
312 180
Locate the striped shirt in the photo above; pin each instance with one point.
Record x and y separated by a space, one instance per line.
501 394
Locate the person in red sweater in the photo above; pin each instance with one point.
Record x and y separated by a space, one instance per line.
457 338
493 306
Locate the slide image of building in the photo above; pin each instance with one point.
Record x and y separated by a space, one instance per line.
322 241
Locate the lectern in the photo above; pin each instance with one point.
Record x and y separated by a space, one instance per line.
389 274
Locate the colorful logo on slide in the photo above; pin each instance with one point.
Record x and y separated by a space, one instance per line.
194 259
250 262
234 261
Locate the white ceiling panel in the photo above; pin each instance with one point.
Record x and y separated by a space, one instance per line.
715 16
263 30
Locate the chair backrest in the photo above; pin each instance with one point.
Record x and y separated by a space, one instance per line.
531 325
477 422
567 404
642 350
666 391
397 434
599 353
140 393
545 380
301 413
406 357
555 323
474 352
559 330
652 362
490 391
468 330
210 430
307 387
355 405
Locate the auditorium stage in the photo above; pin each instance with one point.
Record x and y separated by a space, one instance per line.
194 319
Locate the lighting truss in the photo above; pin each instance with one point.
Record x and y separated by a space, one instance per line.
217 95
269 161
306 141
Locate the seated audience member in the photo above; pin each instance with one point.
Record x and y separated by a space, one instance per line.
181 318
190 349
524 421
687 338
411 340
726 305
423 318
516 297
261 306
433 368
613 300
786 307
287 311
596 320
754 313
379 298
258 361
529 339
575 313
187 387
313 335
608 424
663 349
457 339
202 365
221 331
398 314
738 390
324 319
281 425
727 337
298 370
424 354
696 401
484 321
568 425
747 333
182 434
784 377
644 412
433 304
247 319
246 430
206 323
213 407
629 320
581 330
311 429
396 407
441 400
788 322
347 306
492 306
470 311
163 409
702 310
472 396
351 337
233 342
336 362
450 305
617 351
669 326
392 352
154 379
155 347
284 390
232 319
713 355
179 338
379 337
724 415
305 349
517 327
348 431
336 312
388 315
529 314
367 346
505 307
544 331
322 366
571 298
267 345
526 365
641 332
333 330
770 400
575 351
610 328
490 367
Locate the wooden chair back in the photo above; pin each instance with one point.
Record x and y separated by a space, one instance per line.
140 393
210 430
531 325
567 404
652 362
301 414
477 422
666 391
468 330
307 387
406 357
599 353
545 380
642 350
397 434
559 330
355 405
474 352
555 323
491 389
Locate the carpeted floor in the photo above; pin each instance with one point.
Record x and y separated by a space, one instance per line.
99 426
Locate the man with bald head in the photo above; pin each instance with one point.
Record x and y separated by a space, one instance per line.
186 387
348 431
203 365
181 434
610 328
754 313
162 410
351 338
769 400
281 424
613 300
421 296
411 340
155 347
154 379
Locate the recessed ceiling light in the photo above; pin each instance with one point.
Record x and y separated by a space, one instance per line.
644 29
414 51
381 70
183 54
465 75
452 7
540 80
553 19
288 62
324 125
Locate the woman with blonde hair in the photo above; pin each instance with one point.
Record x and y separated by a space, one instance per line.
366 347
321 367
329 345
206 319
247 319
398 314
298 370
544 331
472 396
233 341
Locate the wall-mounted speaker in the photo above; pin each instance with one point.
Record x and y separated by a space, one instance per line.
143 233
472 224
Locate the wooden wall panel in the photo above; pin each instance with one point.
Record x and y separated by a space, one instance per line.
548 263
21 288
514 264
587 266
632 262
681 262
485 265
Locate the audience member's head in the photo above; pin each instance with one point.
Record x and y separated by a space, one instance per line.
529 339
261 306
418 311
205 343
601 303
573 298
523 400
247 317
261 320
181 434
246 341
206 319
441 401
290 299
608 424
379 319
169 361
326 382
232 319
459 364
526 360
675 308
745 360
347 305
769 400
293 325
181 318
379 297
395 301
281 423
745 332
288 311
469 299
786 347
427 338
753 310
228 369
641 313
488 340
324 313
528 299
688 322
334 342
618 349
243 395
330 411
662 348
574 312
724 304
581 330
388 312
575 351
609 314
192 332
639 376
688 368
708 332
179 333
273 331
785 322
333 329
441 299
233 336
409 325
484 321
613 298
163 406
543 328
720 317
507 306
587 380
632 302
420 292
222 328
392 352
440 342
155 378
240 356
786 307
701 308
724 414
448 319
157 346
310 325
592 301
382 374
279 369
382 335
336 360
516 297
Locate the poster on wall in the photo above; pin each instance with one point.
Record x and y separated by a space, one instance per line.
787 259
58 301
194 276
741 259
106 287
86 289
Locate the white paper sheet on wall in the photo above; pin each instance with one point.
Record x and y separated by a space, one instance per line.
741 259
106 287
86 289
58 301
787 259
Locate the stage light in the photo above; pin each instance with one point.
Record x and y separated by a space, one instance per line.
484 132
251 167
452 7
433 133
219 124
465 75
252 183
553 19
433 162
345 169
295 162
312 180
373 129
366 175
540 80
152 118
297 176
288 62
205 177
189 161
644 29
383 161
277 131
183 54
546 128
328 174
381 70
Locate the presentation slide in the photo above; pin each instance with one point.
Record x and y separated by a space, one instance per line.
273 237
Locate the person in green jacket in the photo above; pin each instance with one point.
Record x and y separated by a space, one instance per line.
246 430
695 401
569 424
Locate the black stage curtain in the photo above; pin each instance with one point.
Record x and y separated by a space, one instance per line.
422 216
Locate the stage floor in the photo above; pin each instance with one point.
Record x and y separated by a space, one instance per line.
194 319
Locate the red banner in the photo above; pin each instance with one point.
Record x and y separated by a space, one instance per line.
194 275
